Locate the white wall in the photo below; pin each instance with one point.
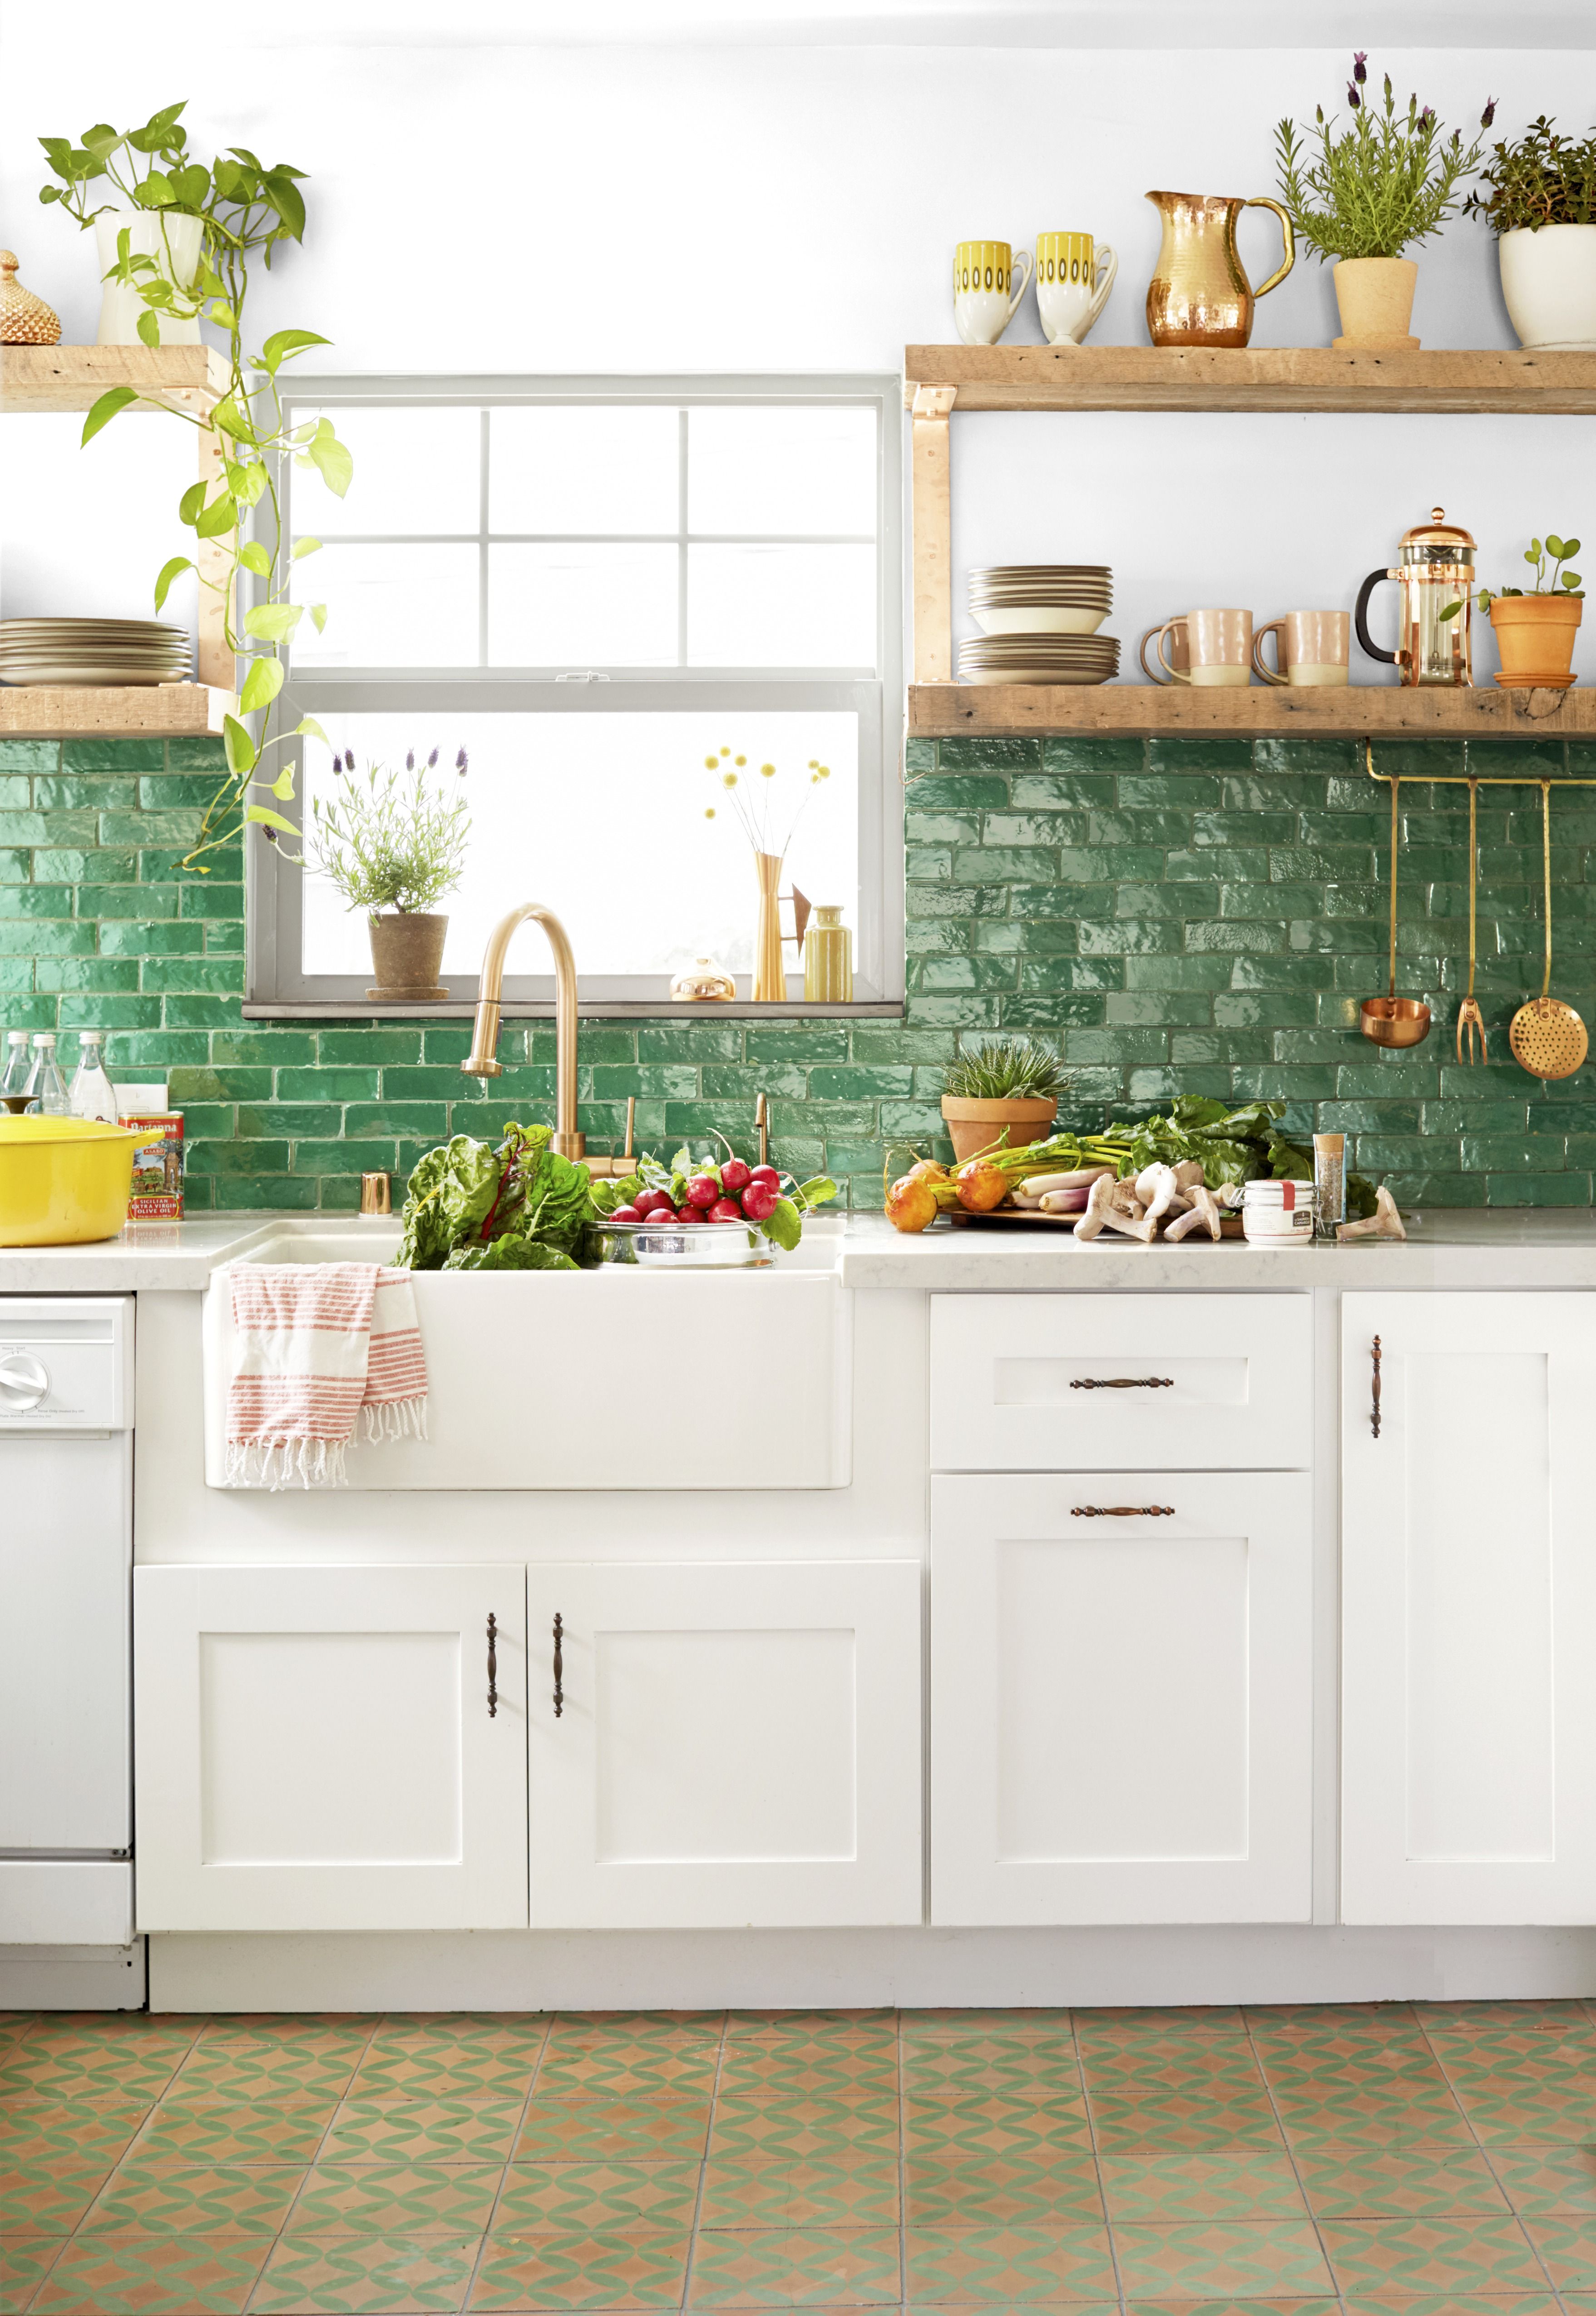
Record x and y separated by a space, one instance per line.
748 207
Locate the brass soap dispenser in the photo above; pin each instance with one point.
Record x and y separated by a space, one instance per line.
1435 570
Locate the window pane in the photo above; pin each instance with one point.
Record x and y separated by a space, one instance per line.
390 607
781 607
580 606
773 471
587 470
414 470
602 815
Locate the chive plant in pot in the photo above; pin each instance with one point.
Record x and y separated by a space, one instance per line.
1535 627
1537 193
1005 1093
1389 180
394 846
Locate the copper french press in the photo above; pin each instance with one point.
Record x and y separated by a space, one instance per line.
1435 571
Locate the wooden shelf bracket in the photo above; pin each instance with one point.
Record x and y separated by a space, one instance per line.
933 519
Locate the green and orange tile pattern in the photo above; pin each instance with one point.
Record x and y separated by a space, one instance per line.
1393 2160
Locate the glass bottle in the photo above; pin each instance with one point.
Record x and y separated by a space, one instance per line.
828 959
46 1089
13 1084
93 1093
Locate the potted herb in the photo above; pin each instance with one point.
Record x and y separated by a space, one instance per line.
1541 205
1004 1091
394 847
1367 195
1535 627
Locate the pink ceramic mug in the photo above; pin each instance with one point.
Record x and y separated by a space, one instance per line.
1311 647
1218 644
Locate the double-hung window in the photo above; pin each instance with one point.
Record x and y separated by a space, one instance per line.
613 593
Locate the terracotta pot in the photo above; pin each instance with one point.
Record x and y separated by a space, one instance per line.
1376 298
1535 636
976 1126
407 956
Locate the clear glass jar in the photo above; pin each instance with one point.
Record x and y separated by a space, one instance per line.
46 1089
828 959
14 1083
93 1093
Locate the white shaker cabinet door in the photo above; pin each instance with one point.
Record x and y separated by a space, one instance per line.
1120 1694
725 1744
324 1748
1468 1590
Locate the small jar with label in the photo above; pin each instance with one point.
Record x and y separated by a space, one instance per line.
1279 1213
828 958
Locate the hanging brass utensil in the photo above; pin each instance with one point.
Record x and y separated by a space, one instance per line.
1468 1012
1548 1037
1393 1020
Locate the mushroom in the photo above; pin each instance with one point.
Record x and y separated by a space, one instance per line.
1204 1208
1138 1225
1230 1197
1386 1222
1097 1207
1158 1191
1188 1173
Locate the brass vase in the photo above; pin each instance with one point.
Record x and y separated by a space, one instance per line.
1200 295
770 966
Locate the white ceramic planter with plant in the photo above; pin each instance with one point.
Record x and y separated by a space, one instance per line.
1000 1095
1537 193
1364 197
394 845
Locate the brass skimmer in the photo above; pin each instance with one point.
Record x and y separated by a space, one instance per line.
1548 1037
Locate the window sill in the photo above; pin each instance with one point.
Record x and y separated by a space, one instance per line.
599 1008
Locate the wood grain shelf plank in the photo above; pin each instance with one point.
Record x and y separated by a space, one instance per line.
74 378
1252 377
946 710
175 711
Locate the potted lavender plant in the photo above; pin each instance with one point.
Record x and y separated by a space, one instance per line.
394 846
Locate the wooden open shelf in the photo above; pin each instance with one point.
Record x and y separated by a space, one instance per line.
1251 378
156 711
74 378
941 711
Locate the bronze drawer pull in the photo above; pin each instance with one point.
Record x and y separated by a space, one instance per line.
1122 1383
1122 1512
493 1666
1374 1413
560 1666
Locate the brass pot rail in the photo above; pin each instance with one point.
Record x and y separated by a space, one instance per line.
1470 780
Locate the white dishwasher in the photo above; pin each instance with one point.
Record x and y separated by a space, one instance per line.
65 1567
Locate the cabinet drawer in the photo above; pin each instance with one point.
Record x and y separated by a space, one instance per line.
1146 1382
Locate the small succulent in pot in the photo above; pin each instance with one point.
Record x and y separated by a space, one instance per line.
1003 1091
1535 626
394 845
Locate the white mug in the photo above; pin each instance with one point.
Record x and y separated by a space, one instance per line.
984 297
1074 280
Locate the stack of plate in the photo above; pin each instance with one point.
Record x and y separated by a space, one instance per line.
93 650
1040 621
1038 659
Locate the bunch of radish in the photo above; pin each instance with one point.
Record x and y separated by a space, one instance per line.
730 1192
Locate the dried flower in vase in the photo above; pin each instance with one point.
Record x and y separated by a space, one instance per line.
770 821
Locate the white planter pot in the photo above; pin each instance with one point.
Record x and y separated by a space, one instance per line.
174 242
1548 279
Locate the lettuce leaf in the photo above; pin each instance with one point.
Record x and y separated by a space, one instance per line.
509 1254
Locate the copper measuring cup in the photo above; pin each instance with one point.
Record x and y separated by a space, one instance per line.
1393 1020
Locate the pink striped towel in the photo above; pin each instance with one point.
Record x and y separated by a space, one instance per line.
315 1347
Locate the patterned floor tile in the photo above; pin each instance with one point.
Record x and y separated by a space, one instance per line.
25 2263
396 2199
1002 2025
569 2026
1523 2122
816 2130
60 2071
271 2071
795 2267
1021 2070
1008 2267
1561 2180
1430 2255
574 2269
1230 2305
1173 2025
742 2025
1370 2119
956 2190
605 2198
572 2126
1177 2121
437 2131
47 2198
1201 2184
248 2027
1522 2017
1255 2258
808 2069
763 2192
1363 2183
1331 2017
1016 2130
39 2130
167 2276
222 2131
201 2199
1392 2065
1204 2067
1452 2303
388 2275
435 2071
1567 2247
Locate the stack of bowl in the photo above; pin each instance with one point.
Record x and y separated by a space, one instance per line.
93 650
1040 623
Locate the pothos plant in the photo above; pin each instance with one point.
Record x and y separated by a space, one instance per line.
243 208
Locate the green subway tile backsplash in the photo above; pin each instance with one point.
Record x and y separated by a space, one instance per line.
1197 916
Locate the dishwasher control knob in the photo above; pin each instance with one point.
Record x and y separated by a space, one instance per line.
23 1382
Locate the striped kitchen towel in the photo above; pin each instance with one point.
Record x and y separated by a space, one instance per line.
315 1347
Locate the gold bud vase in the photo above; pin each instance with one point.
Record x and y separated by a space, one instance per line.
770 967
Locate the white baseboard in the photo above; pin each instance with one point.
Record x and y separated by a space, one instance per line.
73 1978
514 1970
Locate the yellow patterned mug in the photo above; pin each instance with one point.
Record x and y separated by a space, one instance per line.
1074 279
984 297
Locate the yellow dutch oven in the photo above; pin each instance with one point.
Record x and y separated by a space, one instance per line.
63 1179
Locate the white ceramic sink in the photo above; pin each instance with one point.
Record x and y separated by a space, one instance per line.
615 1378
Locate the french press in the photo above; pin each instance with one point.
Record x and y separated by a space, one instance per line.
1435 569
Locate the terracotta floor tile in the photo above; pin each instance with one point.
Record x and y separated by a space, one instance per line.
1464 2016
1370 2119
25 2263
1008 2267
957 2190
795 2267
388 2275
396 2199
1200 2184
1175 2123
1547 2117
742 2023
60 2071
570 2126
640 2270
1431 2255
438 2131
1567 2246
245 2130
1231 2305
271 2070
1002 2025
436 2072
601 2197
47 2198
631 2070
1253 2258
37 2129
1355 2181
1206 2068
151 2275
1021 2070
1452 2303
214 2201
1010 2129
821 2130
1332 2017
569 2026
763 2192
1141 2021
810 2069
1548 2178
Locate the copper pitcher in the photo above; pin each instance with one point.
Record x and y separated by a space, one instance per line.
1198 295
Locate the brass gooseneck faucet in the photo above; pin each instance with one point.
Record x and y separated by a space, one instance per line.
481 1062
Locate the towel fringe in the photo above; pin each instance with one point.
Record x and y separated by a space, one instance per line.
277 1464
397 1419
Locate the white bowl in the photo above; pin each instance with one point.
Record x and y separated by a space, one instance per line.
1040 620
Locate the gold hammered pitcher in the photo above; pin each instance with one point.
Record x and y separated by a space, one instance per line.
1198 295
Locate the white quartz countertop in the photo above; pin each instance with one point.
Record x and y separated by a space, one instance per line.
1445 1247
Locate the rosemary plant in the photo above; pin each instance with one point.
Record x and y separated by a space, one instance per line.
1006 1069
1388 181
1542 178
396 842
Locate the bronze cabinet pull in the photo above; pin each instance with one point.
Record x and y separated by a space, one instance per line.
560 1666
1122 1512
493 1666
1374 1413
1122 1383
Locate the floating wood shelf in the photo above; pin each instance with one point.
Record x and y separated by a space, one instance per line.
940 711
1251 378
74 378
156 711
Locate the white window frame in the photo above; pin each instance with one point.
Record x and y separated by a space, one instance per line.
277 984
